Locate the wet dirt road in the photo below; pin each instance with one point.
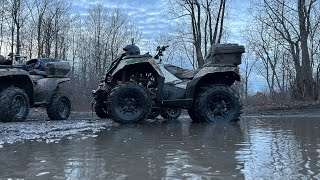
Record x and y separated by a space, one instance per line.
259 147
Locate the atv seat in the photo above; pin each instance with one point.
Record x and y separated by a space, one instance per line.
137 56
180 72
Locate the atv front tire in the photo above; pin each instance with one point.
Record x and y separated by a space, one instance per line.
218 103
129 103
59 107
14 105
170 113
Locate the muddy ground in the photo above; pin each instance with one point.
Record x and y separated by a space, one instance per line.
282 144
38 126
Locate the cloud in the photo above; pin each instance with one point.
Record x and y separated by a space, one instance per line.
238 14
145 14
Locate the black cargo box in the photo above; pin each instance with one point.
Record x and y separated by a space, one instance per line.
51 67
229 54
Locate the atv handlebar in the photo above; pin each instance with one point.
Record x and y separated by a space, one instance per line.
163 48
160 50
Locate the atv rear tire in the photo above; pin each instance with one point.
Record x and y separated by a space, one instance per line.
170 113
129 103
155 112
101 110
59 107
218 103
14 105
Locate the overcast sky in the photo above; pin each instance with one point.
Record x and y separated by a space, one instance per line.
149 17
146 14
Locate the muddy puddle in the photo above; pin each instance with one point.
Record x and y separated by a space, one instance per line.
255 148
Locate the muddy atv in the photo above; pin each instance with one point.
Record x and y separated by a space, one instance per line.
34 84
139 86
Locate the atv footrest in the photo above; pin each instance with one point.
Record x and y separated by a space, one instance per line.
178 103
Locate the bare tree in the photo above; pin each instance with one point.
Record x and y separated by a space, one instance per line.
54 23
304 13
249 63
16 11
289 24
2 21
38 9
192 13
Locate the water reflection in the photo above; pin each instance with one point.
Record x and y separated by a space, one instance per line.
281 148
265 148
171 150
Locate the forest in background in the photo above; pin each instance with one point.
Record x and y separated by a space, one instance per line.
282 39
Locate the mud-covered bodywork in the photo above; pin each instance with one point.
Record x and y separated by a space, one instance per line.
46 75
11 71
131 61
213 75
218 69
39 78
16 76
44 89
33 84
49 68
173 81
170 86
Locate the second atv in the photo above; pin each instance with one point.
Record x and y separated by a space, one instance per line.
137 85
33 84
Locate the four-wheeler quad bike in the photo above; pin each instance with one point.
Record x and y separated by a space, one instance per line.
34 84
137 86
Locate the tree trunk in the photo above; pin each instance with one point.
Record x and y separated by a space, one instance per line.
197 30
306 65
39 37
298 85
16 18
18 39
222 20
215 34
56 32
12 38
1 23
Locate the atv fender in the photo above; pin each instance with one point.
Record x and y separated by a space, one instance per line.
17 77
211 70
209 75
9 71
135 61
44 89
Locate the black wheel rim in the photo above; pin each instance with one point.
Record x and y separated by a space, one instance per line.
129 105
173 112
63 108
220 106
19 106
155 113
